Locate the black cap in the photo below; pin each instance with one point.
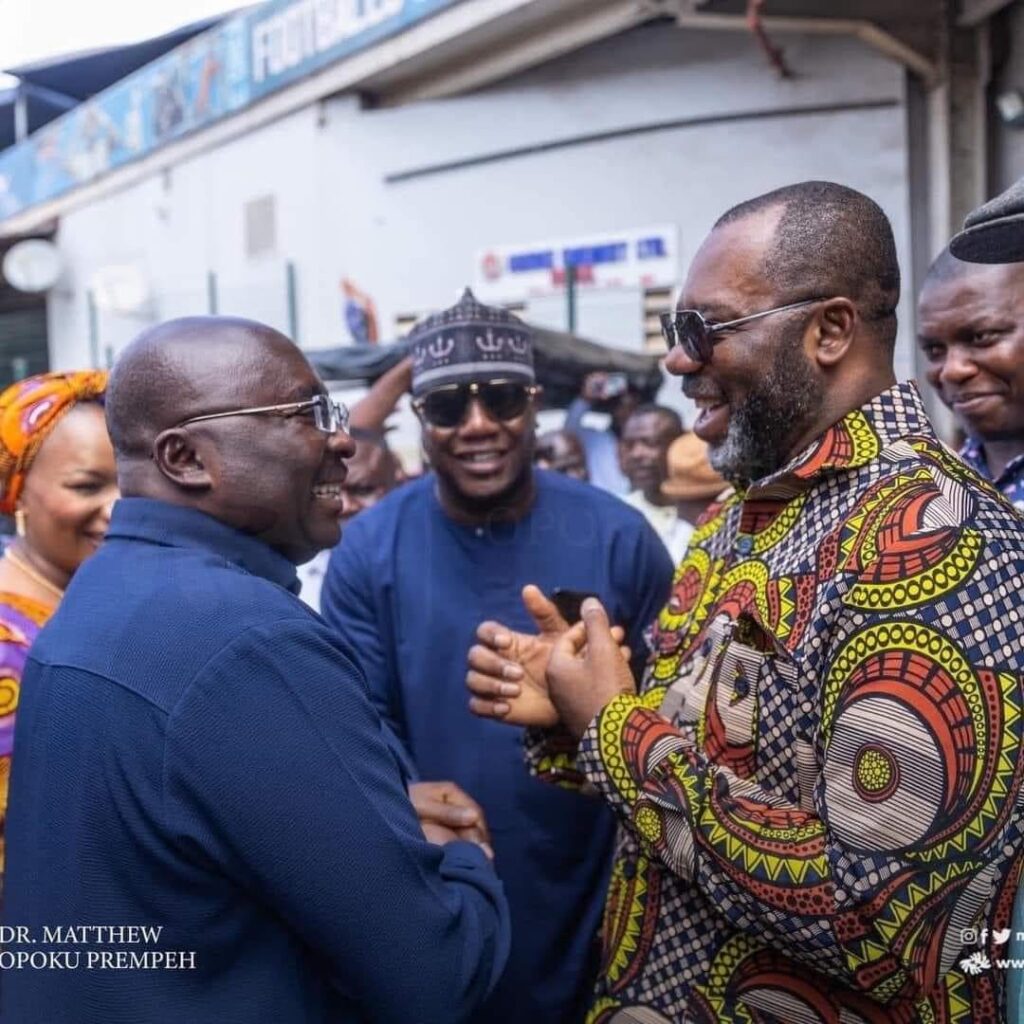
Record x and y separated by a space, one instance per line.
994 233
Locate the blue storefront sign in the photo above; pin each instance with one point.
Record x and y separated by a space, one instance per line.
206 79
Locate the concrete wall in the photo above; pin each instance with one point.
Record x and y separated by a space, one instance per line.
412 242
1006 149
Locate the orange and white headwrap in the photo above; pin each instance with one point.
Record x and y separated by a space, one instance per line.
29 410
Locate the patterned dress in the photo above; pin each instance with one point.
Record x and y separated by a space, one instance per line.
20 621
820 781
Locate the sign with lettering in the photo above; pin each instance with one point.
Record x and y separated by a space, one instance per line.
639 258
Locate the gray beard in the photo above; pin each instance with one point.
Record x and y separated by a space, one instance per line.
776 411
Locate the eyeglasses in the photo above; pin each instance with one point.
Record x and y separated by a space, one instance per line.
446 406
696 336
328 416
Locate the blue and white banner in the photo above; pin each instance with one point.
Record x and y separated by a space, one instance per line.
206 79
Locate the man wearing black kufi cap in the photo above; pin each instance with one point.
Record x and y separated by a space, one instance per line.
417 573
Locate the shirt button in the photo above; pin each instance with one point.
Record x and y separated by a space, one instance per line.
744 545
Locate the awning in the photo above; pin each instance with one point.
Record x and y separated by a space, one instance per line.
561 360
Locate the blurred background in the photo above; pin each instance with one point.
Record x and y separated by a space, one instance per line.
339 168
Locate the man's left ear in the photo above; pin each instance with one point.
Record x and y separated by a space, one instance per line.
834 326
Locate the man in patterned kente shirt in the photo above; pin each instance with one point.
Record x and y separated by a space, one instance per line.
971 333
818 780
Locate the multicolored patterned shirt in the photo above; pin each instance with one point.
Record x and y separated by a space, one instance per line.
21 619
1010 482
821 780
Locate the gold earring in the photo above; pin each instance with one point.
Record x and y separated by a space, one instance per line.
19 522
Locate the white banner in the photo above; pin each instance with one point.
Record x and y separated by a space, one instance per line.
641 258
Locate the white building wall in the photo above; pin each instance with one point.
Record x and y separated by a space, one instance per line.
412 243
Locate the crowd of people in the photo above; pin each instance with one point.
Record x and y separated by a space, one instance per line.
641 725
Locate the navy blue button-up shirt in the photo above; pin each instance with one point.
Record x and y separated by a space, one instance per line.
1010 481
196 753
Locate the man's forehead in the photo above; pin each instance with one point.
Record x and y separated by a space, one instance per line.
728 268
978 290
982 278
281 374
646 424
252 367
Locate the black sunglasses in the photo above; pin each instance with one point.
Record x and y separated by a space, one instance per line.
446 406
696 336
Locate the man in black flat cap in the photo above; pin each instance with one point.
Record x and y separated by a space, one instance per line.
417 573
994 233
970 320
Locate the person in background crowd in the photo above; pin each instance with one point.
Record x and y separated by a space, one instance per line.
819 786
690 485
615 395
406 588
373 471
198 752
562 452
971 332
994 234
58 481
643 456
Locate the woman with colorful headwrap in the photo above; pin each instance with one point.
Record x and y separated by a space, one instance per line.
58 481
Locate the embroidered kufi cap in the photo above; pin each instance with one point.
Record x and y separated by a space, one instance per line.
470 341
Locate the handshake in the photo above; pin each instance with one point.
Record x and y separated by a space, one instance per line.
561 675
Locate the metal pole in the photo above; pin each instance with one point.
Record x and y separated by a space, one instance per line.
570 297
293 307
20 115
211 293
94 330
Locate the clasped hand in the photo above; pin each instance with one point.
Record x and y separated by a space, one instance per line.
448 813
562 674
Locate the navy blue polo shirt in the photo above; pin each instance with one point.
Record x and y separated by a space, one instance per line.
196 752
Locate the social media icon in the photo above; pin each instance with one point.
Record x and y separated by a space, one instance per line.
1001 937
969 936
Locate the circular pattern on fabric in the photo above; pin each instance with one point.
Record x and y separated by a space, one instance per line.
781 526
904 546
923 586
648 823
611 723
687 611
876 773
638 1015
9 690
710 527
908 776
935 776
748 977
